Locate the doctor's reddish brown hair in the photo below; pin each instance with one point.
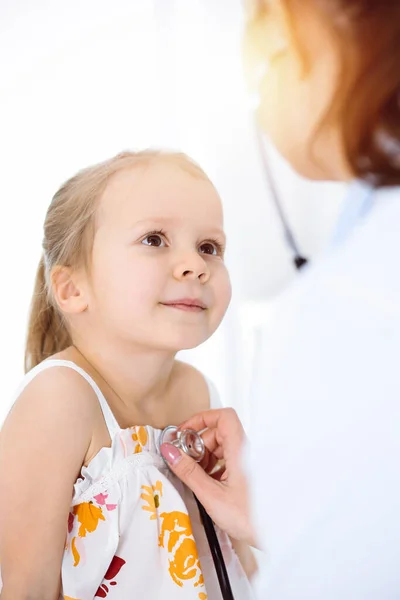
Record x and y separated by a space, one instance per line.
367 100
69 231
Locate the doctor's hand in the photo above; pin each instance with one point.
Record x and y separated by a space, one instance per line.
224 494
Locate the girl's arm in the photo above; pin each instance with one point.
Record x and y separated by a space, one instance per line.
247 558
42 447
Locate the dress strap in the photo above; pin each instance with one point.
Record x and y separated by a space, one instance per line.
109 418
215 400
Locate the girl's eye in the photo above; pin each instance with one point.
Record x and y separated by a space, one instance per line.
154 239
211 248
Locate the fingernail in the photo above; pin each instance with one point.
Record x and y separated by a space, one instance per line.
170 453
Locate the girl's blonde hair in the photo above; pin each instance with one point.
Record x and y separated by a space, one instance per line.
69 230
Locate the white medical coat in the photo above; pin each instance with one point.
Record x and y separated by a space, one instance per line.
324 446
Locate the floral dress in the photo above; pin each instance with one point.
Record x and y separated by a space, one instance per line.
133 528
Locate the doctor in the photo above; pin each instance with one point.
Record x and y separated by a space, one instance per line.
323 458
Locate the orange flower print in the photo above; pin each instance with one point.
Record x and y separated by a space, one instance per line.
75 553
152 495
115 566
88 515
184 563
203 596
140 436
177 525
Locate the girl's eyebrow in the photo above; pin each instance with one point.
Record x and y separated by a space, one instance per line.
151 222
218 233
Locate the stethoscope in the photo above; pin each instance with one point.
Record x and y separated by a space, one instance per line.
299 260
191 442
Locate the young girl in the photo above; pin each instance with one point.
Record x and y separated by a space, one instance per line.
132 272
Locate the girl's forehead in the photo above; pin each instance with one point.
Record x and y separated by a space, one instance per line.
159 191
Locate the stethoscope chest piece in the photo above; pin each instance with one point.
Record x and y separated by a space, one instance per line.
187 440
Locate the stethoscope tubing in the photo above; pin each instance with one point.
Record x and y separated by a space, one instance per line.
216 553
299 260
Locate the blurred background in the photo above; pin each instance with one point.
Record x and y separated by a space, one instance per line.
83 80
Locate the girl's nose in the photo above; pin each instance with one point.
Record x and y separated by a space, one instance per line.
192 267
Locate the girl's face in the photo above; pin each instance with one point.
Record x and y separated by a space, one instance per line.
295 68
158 277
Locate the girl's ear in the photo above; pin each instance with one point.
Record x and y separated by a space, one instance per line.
68 291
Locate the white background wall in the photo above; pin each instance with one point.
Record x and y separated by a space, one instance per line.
80 81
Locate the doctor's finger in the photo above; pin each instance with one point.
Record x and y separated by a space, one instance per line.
209 437
224 423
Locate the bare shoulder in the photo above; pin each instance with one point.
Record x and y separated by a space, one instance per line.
55 396
193 386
